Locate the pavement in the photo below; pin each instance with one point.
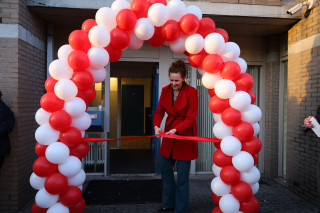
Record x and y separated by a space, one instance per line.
272 196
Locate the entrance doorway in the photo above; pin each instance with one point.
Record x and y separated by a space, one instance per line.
131 92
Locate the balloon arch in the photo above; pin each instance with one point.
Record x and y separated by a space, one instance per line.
57 173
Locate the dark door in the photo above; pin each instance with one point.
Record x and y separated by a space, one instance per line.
132 110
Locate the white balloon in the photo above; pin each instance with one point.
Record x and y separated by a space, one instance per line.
243 64
256 128
83 133
36 182
240 101
59 69
99 36
45 135
209 80
42 116
220 130
78 179
80 187
98 74
158 14
57 153
219 187
65 89
106 17
195 10
229 204
243 161
82 122
201 71
70 167
216 170
216 117
225 88
119 5
255 188
44 199
75 107
194 43
64 51
98 57
252 114
58 208
178 46
135 43
144 30
230 146
177 9
251 176
230 52
214 43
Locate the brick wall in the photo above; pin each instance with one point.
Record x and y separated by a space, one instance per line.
258 2
22 77
303 149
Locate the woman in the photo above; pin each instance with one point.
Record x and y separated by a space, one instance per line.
180 102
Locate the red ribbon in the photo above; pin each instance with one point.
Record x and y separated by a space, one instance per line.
162 134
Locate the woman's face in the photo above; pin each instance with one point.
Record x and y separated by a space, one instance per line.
176 80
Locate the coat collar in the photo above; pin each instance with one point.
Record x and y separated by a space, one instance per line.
179 103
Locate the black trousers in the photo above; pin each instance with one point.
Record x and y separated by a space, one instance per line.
1 161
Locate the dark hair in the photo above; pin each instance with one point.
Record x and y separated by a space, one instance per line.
178 67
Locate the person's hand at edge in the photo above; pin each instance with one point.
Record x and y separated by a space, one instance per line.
307 122
172 131
157 130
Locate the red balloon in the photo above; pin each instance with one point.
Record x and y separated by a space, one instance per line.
37 209
221 159
211 92
170 31
253 96
231 117
196 60
244 131
245 82
252 146
114 54
87 95
206 27
126 19
60 120
189 24
78 60
215 198
40 149
158 1
71 197
251 206
218 105
217 210
186 53
212 63
88 24
80 151
56 183
140 8
43 168
120 39
231 70
79 40
217 145
79 207
51 103
223 33
230 175
241 191
157 40
82 79
71 137
49 84
255 158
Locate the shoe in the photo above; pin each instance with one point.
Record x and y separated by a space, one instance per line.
166 210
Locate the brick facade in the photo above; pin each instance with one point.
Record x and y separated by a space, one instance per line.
303 149
22 77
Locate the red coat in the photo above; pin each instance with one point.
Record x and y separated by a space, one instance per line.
182 117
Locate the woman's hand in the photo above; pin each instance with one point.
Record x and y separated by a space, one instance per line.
172 131
157 130
307 122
